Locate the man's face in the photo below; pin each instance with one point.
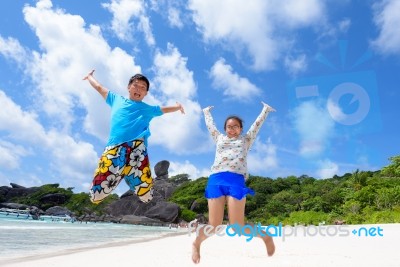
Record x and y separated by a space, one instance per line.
137 90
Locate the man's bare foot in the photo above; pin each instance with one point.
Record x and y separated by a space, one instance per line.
195 253
269 243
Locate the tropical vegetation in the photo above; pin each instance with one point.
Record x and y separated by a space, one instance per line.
354 198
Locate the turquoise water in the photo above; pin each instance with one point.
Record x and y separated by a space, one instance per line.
21 238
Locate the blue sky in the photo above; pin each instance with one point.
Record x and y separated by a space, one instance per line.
329 68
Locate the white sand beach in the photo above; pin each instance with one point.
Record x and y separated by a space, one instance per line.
329 250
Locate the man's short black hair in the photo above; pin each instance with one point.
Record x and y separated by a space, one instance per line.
141 78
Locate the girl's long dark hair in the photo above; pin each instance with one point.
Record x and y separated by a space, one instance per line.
234 117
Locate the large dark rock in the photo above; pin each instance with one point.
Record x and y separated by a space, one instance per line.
128 205
161 169
53 185
162 189
133 219
160 211
3 193
194 205
58 211
13 185
15 206
18 191
7 193
127 194
53 199
163 211
158 208
128 208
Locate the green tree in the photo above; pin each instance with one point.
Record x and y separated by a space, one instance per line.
179 179
34 199
393 169
188 215
352 207
365 196
359 179
188 192
306 217
313 204
387 198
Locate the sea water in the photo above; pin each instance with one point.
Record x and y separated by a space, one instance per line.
23 238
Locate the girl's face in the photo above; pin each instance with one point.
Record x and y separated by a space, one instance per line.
232 128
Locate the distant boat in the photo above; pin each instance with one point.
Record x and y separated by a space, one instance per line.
58 218
16 214
26 215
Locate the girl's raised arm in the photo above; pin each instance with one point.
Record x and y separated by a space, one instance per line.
255 127
210 123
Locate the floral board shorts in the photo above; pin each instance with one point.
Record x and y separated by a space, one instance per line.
128 161
227 184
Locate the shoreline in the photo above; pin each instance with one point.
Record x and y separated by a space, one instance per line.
69 251
174 249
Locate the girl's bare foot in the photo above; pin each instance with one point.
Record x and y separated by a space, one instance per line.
269 243
195 253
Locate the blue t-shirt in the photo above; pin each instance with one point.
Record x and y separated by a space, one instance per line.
129 119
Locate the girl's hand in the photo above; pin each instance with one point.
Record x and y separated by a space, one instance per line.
208 108
87 76
269 108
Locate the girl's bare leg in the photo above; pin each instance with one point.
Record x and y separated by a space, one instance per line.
236 215
215 217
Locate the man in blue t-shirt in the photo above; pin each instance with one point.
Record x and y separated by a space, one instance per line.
125 155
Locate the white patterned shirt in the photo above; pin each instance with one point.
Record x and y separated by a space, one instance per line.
231 153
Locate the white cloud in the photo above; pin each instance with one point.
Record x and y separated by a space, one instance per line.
314 126
146 28
123 12
76 160
11 155
262 157
387 19
26 136
296 65
344 25
58 69
10 48
188 168
5 179
174 83
173 78
44 4
255 28
174 18
232 85
173 11
242 28
297 14
23 126
327 169
27 180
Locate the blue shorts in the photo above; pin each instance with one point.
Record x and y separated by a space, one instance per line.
227 184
